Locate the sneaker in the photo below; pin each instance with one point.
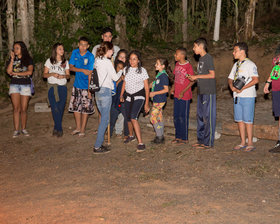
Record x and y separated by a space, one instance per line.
16 134
276 148
101 150
24 132
158 140
141 147
59 134
129 139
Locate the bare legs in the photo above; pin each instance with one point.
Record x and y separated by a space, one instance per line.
81 121
20 105
242 127
134 125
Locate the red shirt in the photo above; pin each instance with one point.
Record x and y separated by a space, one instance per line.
181 81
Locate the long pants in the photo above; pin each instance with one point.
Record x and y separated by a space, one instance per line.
181 118
58 107
206 119
103 100
115 113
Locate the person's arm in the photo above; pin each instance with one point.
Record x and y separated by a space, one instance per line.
26 73
266 86
85 71
230 83
211 75
147 93
164 90
46 73
122 92
67 74
254 81
181 94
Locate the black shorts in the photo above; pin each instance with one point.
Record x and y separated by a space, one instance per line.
133 108
276 103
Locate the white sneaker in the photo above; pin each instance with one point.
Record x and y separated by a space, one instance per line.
16 134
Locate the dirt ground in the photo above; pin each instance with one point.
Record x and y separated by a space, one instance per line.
45 179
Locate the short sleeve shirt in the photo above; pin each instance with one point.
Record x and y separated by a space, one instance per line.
247 69
134 81
181 81
59 69
275 83
84 62
160 82
205 65
18 67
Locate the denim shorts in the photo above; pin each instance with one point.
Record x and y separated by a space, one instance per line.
244 109
24 90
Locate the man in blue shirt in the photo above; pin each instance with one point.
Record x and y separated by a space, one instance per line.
81 62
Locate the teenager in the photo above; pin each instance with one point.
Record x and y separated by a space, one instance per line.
107 35
106 76
244 99
81 62
137 91
57 72
206 98
20 69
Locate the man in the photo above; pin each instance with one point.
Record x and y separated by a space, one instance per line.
244 99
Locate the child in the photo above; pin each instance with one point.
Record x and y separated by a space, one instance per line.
182 96
81 62
206 98
275 97
57 72
159 96
137 94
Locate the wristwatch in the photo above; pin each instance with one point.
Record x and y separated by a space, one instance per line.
268 82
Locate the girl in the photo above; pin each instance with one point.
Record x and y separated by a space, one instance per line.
137 94
20 69
121 56
159 97
106 75
57 72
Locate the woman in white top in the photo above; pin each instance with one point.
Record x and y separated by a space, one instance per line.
106 76
57 72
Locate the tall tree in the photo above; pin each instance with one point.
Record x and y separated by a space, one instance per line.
10 23
144 13
217 21
31 17
1 40
120 26
22 28
236 14
250 20
185 22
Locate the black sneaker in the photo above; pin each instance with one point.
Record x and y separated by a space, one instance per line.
158 140
276 148
129 139
141 148
101 150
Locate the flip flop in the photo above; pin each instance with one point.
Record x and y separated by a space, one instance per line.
75 132
203 147
239 147
175 141
250 148
182 142
82 134
197 145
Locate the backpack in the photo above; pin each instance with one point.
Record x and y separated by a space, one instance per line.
94 82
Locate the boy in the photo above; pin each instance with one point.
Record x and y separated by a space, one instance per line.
182 96
244 99
107 35
81 62
206 98
275 96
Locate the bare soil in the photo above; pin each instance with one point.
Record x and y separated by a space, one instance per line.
45 179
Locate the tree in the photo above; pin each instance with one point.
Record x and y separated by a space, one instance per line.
185 22
120 26
31 17
236 12
144 13
250 20
10 23
217 21
22 28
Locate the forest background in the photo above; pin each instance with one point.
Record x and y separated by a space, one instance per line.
140 24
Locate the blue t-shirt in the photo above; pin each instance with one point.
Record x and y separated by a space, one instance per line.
161 81
84 62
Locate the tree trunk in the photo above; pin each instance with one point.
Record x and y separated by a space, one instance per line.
217 21
185 22
144 17
22 29
31 17
10 23
235 2
250 20
120 27
274 5
193 7
1 41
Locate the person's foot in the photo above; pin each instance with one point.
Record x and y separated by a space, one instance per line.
141 147
59 134
250 148
158 140
240 147
16 134
101 150
276 148
54 133
129 139
75 132
25 132
182 142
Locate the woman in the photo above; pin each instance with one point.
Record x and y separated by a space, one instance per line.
57 72
20 69
106 75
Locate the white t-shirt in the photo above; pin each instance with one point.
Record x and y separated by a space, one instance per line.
57 68
247 69
106 72
134 81
116 50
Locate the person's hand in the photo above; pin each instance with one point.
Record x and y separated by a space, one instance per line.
86 72
89 95
147 108
12 54
233 89
55 75
151 85
266 88
121 99
61 76
172 91
152 94
181 95
192 77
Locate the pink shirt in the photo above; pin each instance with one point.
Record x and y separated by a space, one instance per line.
181 81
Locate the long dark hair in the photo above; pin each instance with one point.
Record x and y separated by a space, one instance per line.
25 56
53 58
138 55
104 47
118 54
164 61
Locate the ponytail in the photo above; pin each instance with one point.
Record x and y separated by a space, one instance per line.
104 47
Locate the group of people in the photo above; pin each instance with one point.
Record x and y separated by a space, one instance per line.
125 92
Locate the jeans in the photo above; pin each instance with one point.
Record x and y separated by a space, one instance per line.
206 119
58 107
181 118
103 101
115 114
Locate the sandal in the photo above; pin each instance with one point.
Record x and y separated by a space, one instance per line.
204 147
239 147
250 148
82 134
75 132
182 142
175 141
197 145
